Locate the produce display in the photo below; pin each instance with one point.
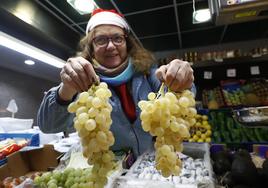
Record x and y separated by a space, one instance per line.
258 92
172 119
168 116
11 182
233 93
213 98
69 178
201 130
226 130
194 171
236 97
93 121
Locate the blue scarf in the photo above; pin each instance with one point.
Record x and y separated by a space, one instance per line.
123 77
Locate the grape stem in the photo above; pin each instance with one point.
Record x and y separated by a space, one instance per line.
161 91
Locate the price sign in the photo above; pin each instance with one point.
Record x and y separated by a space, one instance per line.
231 72
254 70
207 75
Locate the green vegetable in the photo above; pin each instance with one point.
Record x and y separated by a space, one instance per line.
226 137
216 137
258 135
229 124
236 136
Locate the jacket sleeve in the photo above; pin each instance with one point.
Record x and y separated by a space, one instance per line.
53 116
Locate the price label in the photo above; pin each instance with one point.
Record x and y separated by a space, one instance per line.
207 75
231 72
254 70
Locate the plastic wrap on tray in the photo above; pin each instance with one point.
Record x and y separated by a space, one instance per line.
127 182
196 171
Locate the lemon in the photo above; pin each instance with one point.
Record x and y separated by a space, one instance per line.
208 140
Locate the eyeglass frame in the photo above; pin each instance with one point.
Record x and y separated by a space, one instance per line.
110 38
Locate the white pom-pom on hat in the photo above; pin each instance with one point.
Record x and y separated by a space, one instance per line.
109 17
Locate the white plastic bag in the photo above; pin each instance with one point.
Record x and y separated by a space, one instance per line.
13 124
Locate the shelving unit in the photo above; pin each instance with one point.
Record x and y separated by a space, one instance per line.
242 66
231 61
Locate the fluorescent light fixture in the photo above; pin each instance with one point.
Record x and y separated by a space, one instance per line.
202 15
29 62
25 12
31 51
83 6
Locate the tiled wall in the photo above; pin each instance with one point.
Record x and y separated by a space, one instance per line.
26 90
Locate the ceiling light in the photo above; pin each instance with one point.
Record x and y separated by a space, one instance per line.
29 62
31 51
25 12
83 6
202 15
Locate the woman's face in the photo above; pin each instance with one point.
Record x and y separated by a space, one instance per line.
109 45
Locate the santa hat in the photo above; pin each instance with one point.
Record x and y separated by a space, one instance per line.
110 17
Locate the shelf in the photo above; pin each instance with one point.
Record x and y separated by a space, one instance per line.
230 61
230 108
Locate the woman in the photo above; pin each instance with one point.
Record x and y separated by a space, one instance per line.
110 53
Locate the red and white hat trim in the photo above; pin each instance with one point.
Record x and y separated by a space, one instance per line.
107 17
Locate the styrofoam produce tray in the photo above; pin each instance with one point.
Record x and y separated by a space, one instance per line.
196 172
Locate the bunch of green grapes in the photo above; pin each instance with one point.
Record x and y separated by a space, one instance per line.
168 116
69 178
93 122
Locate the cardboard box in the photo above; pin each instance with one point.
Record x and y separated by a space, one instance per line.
261 150
25 162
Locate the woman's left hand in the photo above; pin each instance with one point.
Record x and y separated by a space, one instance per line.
177 75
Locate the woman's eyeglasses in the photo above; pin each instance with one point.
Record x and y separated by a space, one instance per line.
103 41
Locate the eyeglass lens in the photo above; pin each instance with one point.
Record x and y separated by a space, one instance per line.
104 40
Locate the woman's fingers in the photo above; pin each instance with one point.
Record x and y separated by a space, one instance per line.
89 70
161 72
82 76
81 73
67 80
186 82
68 69
171 74
177 75
178 80
184 76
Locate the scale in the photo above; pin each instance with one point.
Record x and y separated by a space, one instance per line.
252 117
226 12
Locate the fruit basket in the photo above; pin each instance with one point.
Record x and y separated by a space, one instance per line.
252 116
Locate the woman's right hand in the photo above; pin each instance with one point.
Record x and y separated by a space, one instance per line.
77 75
